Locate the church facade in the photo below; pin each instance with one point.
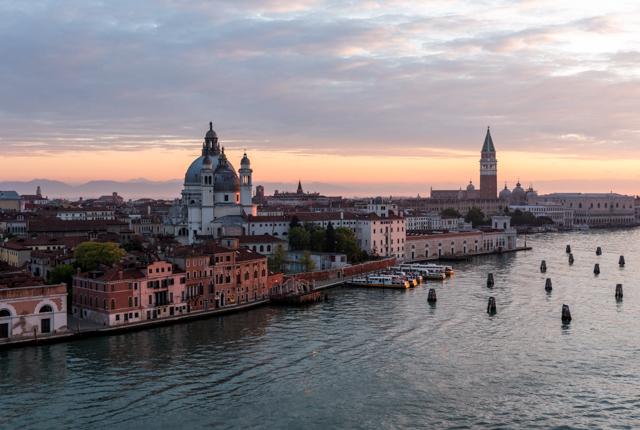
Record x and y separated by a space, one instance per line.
215 199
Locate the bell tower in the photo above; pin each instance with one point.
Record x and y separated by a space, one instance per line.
488 169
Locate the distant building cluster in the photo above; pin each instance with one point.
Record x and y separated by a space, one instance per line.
210 247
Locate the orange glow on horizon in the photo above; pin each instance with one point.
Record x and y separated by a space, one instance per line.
287 167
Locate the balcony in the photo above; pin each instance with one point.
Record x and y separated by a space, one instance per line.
162 303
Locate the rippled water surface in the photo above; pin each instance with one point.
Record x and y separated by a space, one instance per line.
369 358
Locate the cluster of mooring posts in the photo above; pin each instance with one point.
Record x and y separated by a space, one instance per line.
566 314
296 292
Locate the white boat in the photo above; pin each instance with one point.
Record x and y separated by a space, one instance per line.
428 268
380 281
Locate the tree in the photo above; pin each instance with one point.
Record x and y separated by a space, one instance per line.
295 222
63 274
346 242
8 235
310 227
451 212
133 245
307 263
317 240
474 216
277 261
299 238
87 254
330 239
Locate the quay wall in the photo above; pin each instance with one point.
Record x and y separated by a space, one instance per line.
336 274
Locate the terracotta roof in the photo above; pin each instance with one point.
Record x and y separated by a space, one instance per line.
245 254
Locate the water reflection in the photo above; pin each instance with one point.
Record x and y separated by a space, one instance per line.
369 358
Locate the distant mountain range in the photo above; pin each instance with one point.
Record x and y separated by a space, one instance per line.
144 188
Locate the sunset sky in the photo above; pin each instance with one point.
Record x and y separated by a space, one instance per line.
361 92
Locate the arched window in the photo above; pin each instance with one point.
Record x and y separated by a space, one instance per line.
263 272
246 276
255 274
254 248
90 301
4 313
130 302
228 278
261 248
268 248
46 308
104 304
113 304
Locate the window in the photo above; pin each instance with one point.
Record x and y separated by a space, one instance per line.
188 261
113 304
130 302
150 299
104 304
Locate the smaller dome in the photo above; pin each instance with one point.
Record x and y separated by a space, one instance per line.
245 160
378 201
470 187
518 192
505 194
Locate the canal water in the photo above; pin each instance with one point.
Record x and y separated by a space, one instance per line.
370 358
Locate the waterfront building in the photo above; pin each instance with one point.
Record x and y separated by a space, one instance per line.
593 209
191 279
561 216
422 221
215 201
298 198
438 243
27 306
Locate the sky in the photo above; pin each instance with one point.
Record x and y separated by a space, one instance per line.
376 93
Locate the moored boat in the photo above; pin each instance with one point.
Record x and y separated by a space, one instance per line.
380 281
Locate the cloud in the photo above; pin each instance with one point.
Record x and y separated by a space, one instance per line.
387 77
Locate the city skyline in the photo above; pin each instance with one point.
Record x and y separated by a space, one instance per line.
371 94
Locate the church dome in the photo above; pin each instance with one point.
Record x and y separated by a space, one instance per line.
505 194
470 187
192 177
225 178
518 192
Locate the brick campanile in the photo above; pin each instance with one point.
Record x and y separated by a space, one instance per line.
488 169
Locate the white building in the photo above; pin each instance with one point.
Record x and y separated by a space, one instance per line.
423 221
384 236
215 201
593 209
560 215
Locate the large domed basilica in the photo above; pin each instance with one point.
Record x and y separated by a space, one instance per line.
215 199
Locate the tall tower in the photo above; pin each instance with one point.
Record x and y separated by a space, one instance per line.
246 186
488 169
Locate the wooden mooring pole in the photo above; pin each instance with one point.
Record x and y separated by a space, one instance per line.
491 306
568 249
547 285
598 251
490 280
619 291
566 314
431 298
570 258
596 269
543 266
621 260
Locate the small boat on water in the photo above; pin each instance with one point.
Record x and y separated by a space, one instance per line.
381 281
